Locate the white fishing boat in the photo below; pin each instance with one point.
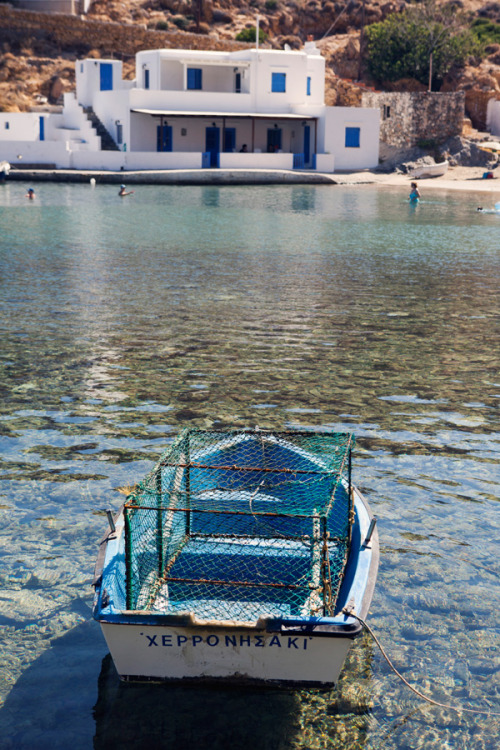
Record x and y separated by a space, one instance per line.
239 557
431 170
4 170
493 147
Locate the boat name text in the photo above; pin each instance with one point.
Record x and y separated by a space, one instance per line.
227 641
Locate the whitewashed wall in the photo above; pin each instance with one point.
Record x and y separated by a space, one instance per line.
171 75
71 7
190 101
333 137
256 161
296 65
19 126
150 60
113 107
88 83
167 71
116 160
36 152
325 163
71 125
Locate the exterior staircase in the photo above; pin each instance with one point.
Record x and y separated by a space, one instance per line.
107 142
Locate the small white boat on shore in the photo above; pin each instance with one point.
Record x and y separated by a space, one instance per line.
235 559
4 170
430 170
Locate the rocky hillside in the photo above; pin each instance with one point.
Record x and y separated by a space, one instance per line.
37 51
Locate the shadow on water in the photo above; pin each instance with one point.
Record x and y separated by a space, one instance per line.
50 705
171 716
150 715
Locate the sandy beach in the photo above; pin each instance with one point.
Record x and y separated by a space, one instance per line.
456 178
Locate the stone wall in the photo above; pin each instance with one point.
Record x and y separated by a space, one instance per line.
406 119
81 35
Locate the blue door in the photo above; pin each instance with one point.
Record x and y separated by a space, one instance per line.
307 144
41 125
106 76
229 139
273 140
212 145
164 138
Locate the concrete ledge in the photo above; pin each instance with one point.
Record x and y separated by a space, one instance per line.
177 177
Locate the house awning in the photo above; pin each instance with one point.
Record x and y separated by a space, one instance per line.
227 115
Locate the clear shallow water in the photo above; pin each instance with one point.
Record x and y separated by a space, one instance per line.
317 307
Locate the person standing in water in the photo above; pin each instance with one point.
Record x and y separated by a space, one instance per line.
30 194
414 194
123 191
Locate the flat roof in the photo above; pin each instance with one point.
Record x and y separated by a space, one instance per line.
232 115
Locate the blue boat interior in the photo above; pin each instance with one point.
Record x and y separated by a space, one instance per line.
238 526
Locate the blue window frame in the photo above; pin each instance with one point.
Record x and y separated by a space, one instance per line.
352 137
146 78
194 79
278 83
308 85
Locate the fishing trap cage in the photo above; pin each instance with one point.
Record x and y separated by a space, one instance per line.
238 525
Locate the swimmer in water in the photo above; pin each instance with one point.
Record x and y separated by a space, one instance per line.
30 194
123 191
415 193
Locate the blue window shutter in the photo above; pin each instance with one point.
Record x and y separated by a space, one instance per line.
278 83
352 137
308 85
194 79
106 76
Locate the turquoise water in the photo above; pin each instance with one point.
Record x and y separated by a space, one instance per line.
312 306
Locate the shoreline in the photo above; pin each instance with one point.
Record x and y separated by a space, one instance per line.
457 178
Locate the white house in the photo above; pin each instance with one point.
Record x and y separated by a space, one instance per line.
248 109
73 7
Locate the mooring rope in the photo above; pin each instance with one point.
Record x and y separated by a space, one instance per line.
347 611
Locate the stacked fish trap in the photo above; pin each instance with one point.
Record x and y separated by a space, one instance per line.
239 525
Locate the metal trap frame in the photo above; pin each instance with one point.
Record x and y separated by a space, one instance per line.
234 525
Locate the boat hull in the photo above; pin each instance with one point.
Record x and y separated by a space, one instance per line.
302 651
431 170
165 653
